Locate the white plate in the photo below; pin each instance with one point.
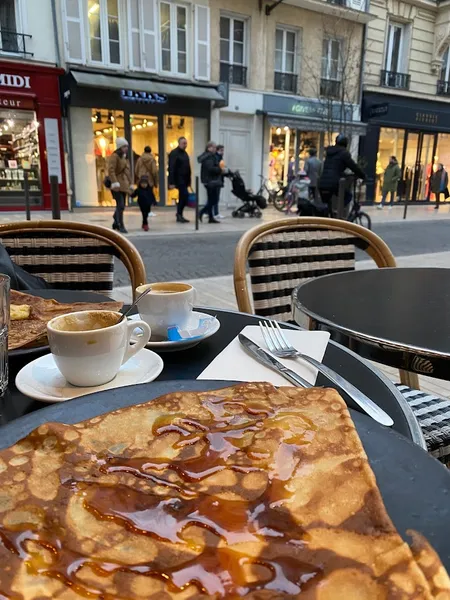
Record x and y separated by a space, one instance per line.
42 380
166 346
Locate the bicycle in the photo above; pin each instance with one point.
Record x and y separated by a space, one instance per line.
274 195
356 215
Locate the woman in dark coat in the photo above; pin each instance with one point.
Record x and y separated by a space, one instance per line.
211 176
439 184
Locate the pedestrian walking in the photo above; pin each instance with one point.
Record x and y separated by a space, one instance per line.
313 169
211 177
146 167
219 155
119 173
145 198
180 176
439 184
337 160
392 176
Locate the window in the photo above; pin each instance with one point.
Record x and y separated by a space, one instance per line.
104 42
233 51
285 60
445 71
331 50
395 48
8 26
173 30
142 17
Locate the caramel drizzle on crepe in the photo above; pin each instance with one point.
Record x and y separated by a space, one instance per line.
33 331
245 492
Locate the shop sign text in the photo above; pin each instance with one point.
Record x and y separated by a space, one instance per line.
15 81
427 118
23 103
144 97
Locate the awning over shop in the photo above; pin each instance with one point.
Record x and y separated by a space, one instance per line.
315 124
97 80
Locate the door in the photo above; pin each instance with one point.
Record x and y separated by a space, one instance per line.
237 156
425 145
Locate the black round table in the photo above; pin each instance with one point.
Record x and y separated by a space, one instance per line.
188 364
398 317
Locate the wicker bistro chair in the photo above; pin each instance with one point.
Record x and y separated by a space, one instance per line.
68 255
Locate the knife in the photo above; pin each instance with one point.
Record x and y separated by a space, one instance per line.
269 361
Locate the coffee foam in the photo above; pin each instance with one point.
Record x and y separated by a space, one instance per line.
89 321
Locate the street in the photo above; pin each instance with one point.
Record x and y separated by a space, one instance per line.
204 255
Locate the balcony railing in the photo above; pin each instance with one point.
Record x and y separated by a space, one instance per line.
392 79
330 88
285 82
443 88
353 4
12 42
233 74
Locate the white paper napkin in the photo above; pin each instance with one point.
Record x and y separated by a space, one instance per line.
235 364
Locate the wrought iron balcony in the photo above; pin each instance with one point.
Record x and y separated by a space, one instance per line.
285 82
392 79
443 88
12 42
352 4
233 74
330 88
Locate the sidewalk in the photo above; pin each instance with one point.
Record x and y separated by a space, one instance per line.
164 223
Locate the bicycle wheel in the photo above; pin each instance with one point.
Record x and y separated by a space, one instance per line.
280 202
363 219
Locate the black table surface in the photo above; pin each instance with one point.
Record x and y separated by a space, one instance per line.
188 364
399 316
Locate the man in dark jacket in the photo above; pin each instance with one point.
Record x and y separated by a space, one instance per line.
211 176
337 160
180 176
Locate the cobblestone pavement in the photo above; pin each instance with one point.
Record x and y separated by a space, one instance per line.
205 255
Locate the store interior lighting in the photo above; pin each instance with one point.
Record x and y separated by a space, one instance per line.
278 131
169 123
110 118
181 125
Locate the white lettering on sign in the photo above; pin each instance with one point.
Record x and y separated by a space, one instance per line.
15 81
10 103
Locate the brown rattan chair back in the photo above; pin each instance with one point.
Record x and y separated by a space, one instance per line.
69 255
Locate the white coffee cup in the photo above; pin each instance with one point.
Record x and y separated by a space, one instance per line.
167 305
89 347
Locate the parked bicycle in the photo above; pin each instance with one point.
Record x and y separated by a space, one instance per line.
273 195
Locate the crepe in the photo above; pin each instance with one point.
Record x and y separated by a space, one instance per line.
33 330
246 492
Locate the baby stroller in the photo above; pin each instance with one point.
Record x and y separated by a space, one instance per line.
253 204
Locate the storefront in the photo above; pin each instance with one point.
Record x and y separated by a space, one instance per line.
416 132
30 135
101 108
294 125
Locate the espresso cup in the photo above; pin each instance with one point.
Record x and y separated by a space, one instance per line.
167 305
89 347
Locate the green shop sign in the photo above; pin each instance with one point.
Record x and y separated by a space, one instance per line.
313 109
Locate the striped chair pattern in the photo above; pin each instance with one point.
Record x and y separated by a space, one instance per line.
278 262
73 256
433 415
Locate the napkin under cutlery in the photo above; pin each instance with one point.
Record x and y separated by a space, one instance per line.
235 364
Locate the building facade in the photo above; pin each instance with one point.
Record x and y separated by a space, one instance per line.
293 71
31 142
407 94
138 69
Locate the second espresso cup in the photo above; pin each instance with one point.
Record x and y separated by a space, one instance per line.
167 305
89 347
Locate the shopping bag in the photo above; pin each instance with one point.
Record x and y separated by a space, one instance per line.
192 200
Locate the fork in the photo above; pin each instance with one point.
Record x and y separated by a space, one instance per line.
278 344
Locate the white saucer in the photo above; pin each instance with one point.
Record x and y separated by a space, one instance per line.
42 380
167 346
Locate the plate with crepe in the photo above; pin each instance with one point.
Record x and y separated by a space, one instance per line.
211 490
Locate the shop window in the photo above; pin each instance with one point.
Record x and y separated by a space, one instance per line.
107 126
233 51
19 152
8 27
173 31
330 84
177 127
285 60
391 144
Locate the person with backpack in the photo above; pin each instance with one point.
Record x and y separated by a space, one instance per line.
119 173
146 167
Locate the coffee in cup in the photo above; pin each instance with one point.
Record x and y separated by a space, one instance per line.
166 305
89 347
